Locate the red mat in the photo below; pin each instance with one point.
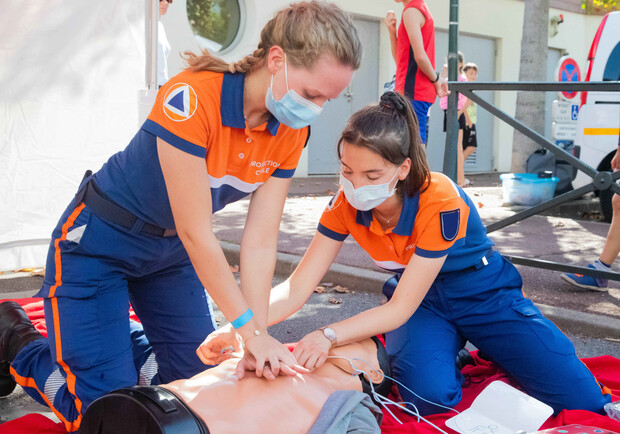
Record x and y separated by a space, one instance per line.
605 368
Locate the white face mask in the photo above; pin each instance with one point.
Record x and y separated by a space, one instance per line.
367 197
292 109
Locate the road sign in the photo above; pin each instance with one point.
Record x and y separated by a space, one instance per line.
564 111
564 130
567 71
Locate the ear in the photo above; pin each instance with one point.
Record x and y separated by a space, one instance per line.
376 376
405 168
275 59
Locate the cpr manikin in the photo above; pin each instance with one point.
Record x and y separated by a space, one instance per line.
215 401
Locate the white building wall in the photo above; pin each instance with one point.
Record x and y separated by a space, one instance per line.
498 19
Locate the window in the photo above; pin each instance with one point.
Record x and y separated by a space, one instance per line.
612 69
216 23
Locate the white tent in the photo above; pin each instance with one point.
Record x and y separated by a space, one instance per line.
70 78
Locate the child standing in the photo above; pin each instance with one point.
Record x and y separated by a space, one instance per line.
470 110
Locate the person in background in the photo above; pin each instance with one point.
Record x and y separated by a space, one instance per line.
163 46
470 110
413 50
443 103
611 248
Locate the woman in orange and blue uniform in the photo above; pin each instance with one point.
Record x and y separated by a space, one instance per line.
450 285
139 230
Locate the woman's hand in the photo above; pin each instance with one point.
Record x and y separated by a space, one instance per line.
219 346
270 358
311 352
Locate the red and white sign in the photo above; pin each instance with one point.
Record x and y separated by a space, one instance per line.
568 71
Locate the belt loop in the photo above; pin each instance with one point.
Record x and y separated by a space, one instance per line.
137 227
79 196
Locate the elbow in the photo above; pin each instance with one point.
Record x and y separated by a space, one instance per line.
419 58
399 313
195 238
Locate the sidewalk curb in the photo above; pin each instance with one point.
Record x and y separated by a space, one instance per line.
362 279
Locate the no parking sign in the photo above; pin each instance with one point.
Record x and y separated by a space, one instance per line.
567 71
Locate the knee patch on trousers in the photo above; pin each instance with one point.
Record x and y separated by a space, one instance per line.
141 409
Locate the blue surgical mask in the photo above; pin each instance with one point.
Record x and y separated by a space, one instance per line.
292 110
367 197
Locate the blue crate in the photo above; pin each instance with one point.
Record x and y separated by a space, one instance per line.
527 188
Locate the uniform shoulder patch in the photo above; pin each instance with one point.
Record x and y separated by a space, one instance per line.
334 202
180 102
450 223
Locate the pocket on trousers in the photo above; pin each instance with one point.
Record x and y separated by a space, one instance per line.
77 317
548 333
77 234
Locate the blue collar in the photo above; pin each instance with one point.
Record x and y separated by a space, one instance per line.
231 104
405 221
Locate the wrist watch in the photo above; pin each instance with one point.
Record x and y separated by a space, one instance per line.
330 334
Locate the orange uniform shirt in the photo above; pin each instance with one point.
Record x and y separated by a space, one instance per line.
202 114
440 221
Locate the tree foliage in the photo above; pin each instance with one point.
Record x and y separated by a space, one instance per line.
599 6
209 19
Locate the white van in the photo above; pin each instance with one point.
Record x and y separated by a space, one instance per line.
598 123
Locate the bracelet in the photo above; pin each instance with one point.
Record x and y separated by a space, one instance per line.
254 333
436 79
243 319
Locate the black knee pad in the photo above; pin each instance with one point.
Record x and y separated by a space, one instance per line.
141 410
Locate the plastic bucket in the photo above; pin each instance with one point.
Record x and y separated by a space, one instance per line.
527 188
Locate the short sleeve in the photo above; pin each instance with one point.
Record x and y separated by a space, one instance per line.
442 227
288 166
332 223
180 115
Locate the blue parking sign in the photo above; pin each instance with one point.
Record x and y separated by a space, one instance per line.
574 111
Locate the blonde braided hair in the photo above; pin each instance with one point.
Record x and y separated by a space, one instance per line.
304 30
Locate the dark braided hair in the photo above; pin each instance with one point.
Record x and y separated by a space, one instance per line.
390 129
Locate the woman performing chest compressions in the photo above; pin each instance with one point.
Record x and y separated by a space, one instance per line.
450 286
139 230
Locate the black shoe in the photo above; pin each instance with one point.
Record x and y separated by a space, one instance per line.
464 358
16 331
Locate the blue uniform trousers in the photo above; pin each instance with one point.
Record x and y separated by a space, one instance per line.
94 270
487 307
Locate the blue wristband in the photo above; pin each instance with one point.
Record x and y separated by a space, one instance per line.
243 319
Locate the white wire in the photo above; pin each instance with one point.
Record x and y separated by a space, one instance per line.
393 379
384 401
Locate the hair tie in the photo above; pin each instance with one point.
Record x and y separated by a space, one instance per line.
392 100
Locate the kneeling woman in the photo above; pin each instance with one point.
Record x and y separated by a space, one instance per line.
450 285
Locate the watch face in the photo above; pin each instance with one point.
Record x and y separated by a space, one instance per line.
329 333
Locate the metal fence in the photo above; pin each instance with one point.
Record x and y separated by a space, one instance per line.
601 180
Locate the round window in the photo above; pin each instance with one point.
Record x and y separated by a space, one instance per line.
215 23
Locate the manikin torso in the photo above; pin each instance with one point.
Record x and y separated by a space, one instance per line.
284 405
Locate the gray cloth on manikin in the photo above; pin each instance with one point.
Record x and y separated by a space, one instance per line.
348 411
